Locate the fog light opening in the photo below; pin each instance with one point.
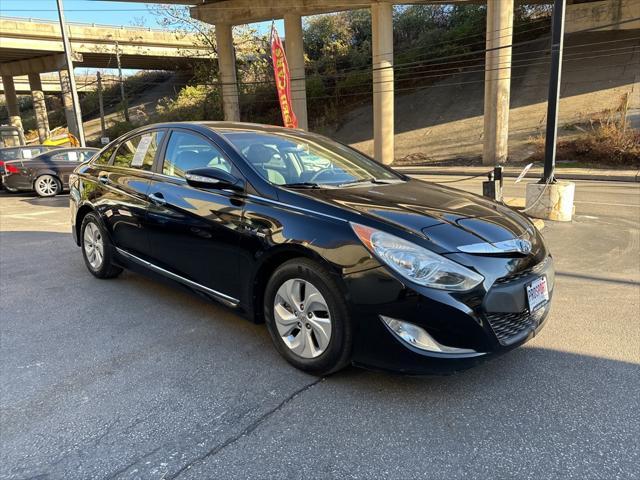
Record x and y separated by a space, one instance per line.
418 337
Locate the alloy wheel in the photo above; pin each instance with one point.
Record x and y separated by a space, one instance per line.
93 245
302 318
47 185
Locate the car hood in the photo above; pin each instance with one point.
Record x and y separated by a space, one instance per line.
446 217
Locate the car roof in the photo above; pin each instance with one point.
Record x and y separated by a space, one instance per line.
18 147
223 125
73 149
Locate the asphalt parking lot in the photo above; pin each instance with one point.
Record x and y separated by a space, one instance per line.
131 378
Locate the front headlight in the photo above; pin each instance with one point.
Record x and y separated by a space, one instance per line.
416 263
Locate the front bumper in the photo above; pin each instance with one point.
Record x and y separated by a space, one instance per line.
485 323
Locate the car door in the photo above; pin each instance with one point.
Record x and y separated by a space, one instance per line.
194 232
123 185
65 162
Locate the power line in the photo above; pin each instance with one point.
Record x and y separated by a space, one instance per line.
478 68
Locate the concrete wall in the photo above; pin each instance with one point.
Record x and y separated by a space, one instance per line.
582 16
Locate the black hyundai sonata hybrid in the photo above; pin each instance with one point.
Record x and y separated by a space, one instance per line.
345 260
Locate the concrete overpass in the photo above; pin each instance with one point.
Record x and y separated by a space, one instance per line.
32 48
224 14
51 83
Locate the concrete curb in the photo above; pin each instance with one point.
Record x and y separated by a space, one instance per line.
561 173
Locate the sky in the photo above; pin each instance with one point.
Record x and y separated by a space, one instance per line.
90 11
84 11
95 11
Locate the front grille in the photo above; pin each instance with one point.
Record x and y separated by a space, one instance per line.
510 327
523 273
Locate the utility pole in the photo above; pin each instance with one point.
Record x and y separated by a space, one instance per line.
72 78
549 198
557 46
125 106
103 126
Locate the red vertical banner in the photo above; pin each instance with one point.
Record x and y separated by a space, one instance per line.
283 79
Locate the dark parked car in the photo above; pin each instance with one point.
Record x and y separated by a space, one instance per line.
344 259
48 173
20 152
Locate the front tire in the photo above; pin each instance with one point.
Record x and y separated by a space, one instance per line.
97 250
307 317
47 186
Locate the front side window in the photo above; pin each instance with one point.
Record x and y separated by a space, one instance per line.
104 157
138 151
30 152
187 151
293 159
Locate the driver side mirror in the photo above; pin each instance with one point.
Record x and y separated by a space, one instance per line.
213 178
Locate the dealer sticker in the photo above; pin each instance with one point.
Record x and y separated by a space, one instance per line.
537 293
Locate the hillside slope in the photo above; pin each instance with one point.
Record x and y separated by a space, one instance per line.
445 121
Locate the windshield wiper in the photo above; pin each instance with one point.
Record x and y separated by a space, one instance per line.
365 180
302 185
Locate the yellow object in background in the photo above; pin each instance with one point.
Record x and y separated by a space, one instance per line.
62 140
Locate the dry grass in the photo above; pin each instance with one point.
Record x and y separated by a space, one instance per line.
605 139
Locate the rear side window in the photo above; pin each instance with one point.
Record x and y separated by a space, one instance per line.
187 151
73 156
138 151
9 154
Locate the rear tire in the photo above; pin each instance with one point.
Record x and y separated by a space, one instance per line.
47 186
315 336
97 249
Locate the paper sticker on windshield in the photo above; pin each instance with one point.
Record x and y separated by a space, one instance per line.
73 156
27 154
141 151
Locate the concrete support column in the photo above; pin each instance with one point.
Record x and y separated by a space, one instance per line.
39 106
227 67
67 101
383 116
497 86
295 57
12 101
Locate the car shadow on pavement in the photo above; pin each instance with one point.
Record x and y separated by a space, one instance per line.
61 200
57 201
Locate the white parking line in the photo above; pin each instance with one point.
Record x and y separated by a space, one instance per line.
30 214
608 204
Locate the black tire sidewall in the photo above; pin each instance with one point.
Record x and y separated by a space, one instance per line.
107 266
338 353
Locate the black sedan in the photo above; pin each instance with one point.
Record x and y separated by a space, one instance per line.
345 260
20 152
47 174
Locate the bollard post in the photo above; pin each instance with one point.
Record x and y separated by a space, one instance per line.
492 187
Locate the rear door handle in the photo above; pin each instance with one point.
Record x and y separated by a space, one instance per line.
103 179
157 198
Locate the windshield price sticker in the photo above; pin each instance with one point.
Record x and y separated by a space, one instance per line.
141 151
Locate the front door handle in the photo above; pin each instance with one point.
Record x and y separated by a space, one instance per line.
157 198
103 179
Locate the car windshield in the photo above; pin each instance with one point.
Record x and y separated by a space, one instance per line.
297 161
